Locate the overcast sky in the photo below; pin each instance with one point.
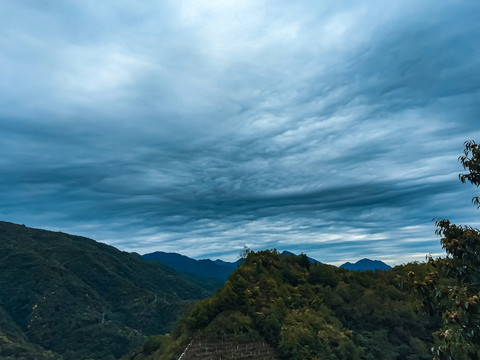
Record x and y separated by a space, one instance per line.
326 127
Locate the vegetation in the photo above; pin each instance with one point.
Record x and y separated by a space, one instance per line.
471 161
452 288
310 311
14 345
81 299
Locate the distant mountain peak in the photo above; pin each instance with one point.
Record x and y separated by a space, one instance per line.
365 265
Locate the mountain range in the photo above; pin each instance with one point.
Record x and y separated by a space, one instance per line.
219 269
207 268
68 297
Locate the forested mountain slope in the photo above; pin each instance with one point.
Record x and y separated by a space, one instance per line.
80 298
308 311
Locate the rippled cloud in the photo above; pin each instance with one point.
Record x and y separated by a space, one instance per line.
202 126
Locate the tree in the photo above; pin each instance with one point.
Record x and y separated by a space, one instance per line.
453 287
471 162
456 291
244 253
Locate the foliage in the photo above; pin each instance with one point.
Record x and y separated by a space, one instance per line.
311 311
461 332
471 161
244 252
15 346
452 288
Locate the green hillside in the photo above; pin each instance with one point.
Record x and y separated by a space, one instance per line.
15 346
307 311
69 295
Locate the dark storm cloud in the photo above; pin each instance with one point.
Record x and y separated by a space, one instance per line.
332 129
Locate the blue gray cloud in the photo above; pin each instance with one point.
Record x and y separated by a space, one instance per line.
201 126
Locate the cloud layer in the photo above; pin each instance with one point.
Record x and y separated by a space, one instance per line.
201 126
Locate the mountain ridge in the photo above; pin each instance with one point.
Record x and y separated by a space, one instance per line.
77 297
217 269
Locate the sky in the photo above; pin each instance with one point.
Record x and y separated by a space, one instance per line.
331 128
